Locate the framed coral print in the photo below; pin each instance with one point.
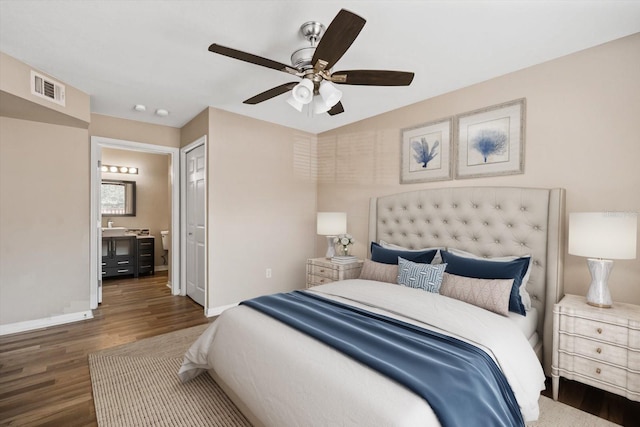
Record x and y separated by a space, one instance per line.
490 141
426 152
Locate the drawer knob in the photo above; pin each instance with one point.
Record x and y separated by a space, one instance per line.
598 370
599 330
598 350
322 270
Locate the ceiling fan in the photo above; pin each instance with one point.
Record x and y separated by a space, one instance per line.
314 63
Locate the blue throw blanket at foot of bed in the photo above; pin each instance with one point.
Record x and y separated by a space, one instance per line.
462 384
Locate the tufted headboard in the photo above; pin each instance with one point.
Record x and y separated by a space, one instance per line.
487 221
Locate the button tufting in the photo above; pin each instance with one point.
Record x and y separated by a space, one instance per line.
498 207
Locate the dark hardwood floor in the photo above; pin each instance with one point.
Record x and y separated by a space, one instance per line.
44 374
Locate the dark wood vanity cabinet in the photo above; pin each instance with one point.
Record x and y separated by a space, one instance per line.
119 256
146 255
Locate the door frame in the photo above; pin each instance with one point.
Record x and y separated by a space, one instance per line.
183 216
97 144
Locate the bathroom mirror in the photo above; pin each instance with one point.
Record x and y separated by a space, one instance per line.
118 198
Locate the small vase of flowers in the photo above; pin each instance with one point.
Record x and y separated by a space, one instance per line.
344 240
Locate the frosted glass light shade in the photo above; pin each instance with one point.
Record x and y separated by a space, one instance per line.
303 91
331 223
319 106
295 104
329 93
609 235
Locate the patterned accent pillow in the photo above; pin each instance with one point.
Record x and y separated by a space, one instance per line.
490 294
427 277
378 271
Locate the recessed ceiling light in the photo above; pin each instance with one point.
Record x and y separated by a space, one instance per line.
162 112
140 107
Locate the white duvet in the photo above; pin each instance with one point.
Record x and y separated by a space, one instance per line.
288 379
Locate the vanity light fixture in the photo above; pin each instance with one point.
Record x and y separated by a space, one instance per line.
129 170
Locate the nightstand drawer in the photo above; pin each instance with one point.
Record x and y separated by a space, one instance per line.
598 330
593 349
320 270
596 370
314 280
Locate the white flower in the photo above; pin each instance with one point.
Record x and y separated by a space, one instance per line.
345 241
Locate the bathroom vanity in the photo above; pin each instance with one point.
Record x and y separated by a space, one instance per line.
146 254
119 256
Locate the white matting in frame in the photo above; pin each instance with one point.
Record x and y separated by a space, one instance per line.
426 152
490 141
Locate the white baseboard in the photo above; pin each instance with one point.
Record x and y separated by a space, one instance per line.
216 311
161 268
29 325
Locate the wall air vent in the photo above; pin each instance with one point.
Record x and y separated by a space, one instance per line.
47 88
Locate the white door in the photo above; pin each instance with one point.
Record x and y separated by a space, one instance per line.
195 213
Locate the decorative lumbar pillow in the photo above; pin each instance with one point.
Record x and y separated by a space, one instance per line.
490 294
427 277
437 259
524 295
482 269
377 271
390 256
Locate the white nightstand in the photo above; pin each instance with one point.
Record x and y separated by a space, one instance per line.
321 271
597 346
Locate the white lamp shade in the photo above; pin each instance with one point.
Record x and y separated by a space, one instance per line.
609 235
319 106
331 223
303 91
295 104
330 94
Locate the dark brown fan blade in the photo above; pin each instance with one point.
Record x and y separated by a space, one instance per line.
271 93
336 109
253 59
373 77
340 34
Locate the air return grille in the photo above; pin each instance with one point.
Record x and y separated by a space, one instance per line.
46 88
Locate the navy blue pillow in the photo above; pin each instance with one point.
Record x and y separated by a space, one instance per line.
481 269
390 256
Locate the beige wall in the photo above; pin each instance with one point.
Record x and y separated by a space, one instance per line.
153 196
262 205
44 220
582 134
130 130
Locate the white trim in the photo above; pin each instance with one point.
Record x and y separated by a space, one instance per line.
29 325
99 142
183 216
216 311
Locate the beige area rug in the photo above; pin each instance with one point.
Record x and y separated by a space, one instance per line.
137 385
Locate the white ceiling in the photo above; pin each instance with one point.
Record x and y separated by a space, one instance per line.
155 53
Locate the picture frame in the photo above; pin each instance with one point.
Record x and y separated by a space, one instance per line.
426 152
490 141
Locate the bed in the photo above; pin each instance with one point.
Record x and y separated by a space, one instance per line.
279 376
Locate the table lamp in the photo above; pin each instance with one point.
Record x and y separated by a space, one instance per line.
331 224
602 237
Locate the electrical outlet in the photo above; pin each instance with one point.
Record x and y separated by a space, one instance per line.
268 273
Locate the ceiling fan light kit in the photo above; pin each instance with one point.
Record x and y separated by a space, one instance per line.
314 65
303 91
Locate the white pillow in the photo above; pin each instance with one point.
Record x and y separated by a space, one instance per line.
524 295
436 259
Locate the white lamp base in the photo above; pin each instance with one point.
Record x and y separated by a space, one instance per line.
598 294
331 247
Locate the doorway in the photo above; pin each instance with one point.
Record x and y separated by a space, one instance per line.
97 144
